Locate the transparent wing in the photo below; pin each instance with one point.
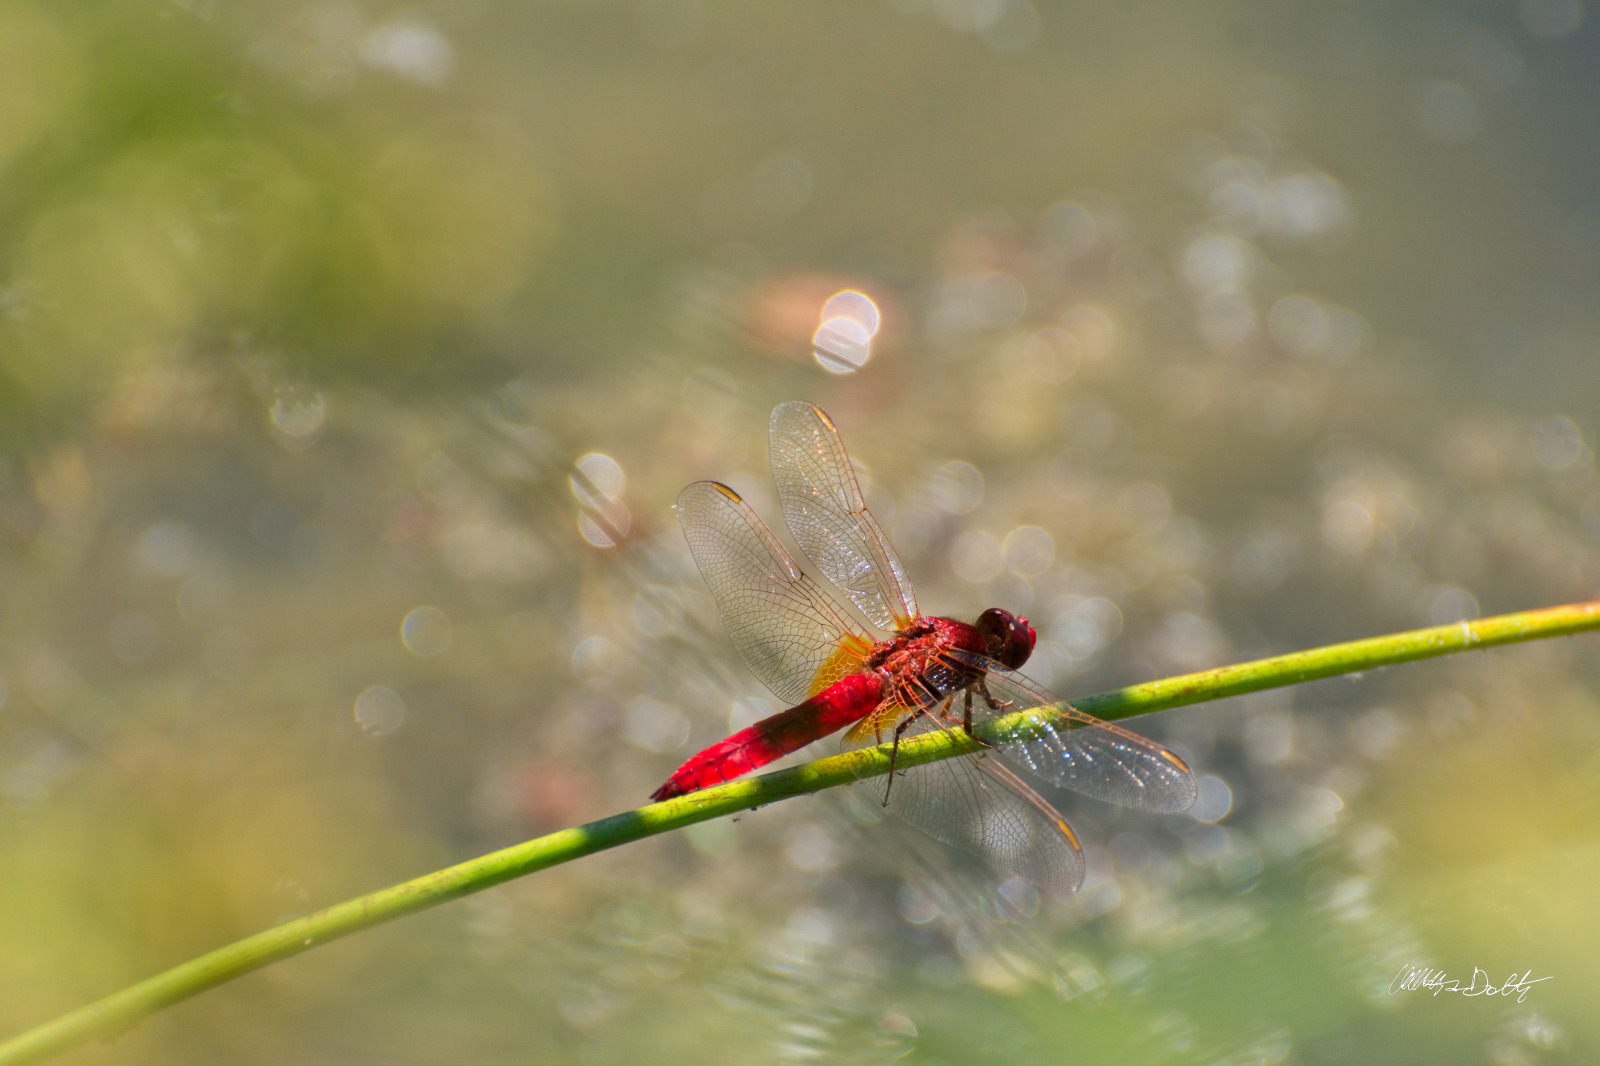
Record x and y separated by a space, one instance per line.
978 805
1078 751
788 631
823 506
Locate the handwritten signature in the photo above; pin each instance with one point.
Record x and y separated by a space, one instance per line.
1411 978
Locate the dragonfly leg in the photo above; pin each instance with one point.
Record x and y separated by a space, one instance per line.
894 753
966 716
994 704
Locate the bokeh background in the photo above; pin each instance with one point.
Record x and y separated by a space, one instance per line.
351 356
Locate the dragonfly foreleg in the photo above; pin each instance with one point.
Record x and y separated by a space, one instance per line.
994 704
966 716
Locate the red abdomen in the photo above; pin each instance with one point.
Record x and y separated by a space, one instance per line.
847 700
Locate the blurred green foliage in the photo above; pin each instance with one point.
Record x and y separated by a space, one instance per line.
167 203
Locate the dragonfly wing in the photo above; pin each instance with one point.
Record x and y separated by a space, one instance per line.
788 631
1078 751
979 806
823 506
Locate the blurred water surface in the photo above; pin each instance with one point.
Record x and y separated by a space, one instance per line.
352 355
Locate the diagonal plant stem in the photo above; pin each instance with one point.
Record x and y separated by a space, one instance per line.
122 1010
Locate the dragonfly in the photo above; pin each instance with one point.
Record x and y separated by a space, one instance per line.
923 673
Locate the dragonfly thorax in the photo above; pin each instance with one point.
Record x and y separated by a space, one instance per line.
917 668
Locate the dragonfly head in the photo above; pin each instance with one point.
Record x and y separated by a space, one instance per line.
1007 638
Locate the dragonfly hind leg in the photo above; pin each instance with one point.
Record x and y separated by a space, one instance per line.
894 751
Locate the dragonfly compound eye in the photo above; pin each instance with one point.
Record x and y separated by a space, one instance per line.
1007 638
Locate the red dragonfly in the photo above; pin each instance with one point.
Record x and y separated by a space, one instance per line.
928 673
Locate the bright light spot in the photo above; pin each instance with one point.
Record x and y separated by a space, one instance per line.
605 524
1304 205
600 474
1557 443
1084 626
597 484
1214 801
298 415
976 556
957 487
425 631
1318 810
843 342
594 657
1443 604
380 710
855 306
1314 330
1347 527
841 346
1246 199
1446 112
810 925
1029 551
411 50
898 1025
1212 263
1018 900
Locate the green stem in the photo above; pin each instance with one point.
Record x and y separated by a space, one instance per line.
123 1009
